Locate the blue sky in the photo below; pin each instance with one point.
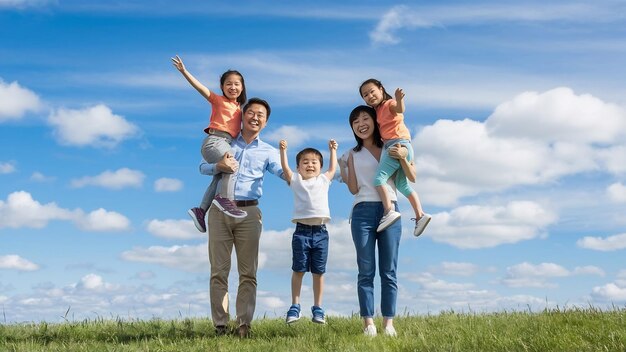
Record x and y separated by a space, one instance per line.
517 112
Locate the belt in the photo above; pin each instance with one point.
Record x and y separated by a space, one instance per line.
219 133
247 203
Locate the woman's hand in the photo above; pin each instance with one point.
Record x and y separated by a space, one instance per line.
398 152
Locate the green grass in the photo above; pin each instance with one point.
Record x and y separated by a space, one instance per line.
577 329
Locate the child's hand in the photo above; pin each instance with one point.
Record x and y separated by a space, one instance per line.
332 144
283 144
178 63
399 94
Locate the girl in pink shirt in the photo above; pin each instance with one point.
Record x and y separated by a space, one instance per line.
224 125
390 120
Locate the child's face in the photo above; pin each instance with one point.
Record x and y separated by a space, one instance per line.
232 87
372 94
309 166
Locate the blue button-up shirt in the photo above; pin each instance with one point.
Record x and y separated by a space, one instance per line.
254 160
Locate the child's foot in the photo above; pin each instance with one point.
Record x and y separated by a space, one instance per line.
229 207
421 223
370 331
387 220
197 215
390 331
293 314
318 315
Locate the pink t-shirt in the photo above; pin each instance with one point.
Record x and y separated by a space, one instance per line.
225 115
391 123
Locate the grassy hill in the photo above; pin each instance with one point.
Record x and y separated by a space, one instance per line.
587 329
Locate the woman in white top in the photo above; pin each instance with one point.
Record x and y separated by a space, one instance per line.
358 167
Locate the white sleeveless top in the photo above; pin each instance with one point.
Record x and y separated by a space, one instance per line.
310 202
365 165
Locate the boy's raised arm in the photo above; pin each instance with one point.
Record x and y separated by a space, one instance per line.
180 66
332 167
287 173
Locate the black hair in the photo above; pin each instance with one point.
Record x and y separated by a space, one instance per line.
258 101
378 84
311 151
378 140
241 99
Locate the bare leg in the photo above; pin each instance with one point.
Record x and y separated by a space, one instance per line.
384 197
416 204
296 286
318 289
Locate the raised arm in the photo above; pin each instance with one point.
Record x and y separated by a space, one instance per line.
400 152
180 66
399 101
287 173
353 185
332 167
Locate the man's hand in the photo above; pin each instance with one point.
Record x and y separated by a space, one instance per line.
228 164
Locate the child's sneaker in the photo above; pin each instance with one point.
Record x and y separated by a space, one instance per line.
387 220
420 224
390 331
197 215
229 207
293 314
318 315
370 331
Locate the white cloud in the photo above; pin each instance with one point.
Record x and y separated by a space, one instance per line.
529 275
174 229
610 243
13 261
474 226
617 192
21 210
7 168
457 268
610 292
16 101
96 126
102 220
562 115
93 282
39 177
165 184
588 270
186 258
466 157
295 136
118 179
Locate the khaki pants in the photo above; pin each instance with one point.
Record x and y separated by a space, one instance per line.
244 234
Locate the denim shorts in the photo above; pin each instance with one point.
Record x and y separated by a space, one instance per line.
309 246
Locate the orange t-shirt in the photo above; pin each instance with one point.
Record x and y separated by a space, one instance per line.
391 123
225 115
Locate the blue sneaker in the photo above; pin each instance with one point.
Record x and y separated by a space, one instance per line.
293 314
318 315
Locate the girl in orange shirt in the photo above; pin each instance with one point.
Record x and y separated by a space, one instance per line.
224 125
390 120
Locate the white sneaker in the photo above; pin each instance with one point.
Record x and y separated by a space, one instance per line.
390 331
370 331
387 220
420 224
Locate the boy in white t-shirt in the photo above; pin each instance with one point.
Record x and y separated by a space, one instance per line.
309 243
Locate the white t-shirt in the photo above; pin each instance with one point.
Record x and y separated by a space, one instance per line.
365 165
310 201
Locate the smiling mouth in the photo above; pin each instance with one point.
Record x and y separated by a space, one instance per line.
363 129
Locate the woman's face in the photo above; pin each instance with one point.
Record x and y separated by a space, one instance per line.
363 125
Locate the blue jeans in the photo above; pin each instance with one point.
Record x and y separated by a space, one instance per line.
365 219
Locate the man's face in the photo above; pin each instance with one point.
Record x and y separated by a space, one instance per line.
309 166
255 118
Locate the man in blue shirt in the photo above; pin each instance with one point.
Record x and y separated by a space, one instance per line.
252 158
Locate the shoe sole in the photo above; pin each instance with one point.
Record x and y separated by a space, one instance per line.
383 227
221 208
318 321
293 320
195 221
421 230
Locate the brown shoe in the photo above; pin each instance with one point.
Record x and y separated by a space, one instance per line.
244 331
